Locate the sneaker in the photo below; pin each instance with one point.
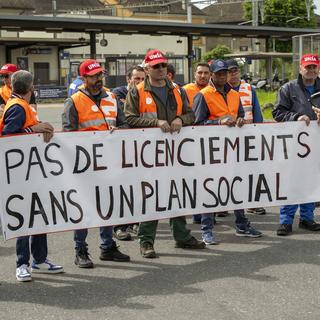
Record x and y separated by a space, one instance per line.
192 243
309 225
83 260
113 254
248 232
135 228
209 239
46 267
23 274
259 211
284 229
147 250
122 235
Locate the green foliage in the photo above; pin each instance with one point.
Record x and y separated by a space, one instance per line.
216 53
278 13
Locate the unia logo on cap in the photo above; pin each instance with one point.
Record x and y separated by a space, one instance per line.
310 58
155 56
220 64
93 66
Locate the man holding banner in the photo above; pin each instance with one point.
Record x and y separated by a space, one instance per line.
250 104
293 104
20 117
219 104
93 108
156 102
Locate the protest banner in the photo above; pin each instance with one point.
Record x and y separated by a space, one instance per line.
90 179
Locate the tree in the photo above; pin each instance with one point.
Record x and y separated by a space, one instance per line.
284 13
217 53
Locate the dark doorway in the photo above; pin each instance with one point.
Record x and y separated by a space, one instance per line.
41 73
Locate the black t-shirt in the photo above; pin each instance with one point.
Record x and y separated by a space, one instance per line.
161 93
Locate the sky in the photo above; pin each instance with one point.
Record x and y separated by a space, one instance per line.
317 3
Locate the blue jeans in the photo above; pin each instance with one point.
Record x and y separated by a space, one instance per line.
207 221
196 217
39 249
105 235
306 212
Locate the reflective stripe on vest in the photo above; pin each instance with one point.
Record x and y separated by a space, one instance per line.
30 112
5 93
92 117
147 105
192 90
245 91
217 106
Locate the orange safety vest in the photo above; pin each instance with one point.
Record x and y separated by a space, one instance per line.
31 113
192 90
217 106
147 105
92 117
5 93
245 92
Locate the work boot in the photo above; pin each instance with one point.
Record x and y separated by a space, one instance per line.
147 250
284 229
309 225
82 259
192 243
113 254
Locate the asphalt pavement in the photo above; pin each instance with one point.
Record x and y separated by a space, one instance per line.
268 278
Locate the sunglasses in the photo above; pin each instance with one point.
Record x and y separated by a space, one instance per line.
157 66
5 76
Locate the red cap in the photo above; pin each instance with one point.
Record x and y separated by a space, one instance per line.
308 59
154 57
8 68
90 67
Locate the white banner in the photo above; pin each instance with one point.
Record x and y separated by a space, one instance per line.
90 179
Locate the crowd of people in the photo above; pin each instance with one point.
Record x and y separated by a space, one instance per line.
152 98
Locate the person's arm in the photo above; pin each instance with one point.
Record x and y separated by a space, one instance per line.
70 119
256 110
14 120
132 113
283 107
121 120
201 111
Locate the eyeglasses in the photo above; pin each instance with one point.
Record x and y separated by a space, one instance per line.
157 66
5 76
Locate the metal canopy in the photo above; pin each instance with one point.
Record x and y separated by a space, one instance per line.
97 25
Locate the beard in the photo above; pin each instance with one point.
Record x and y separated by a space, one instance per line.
98 85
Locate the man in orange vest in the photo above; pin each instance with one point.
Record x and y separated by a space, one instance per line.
93 108
156 102
5 91
219 104
20 117
249 101
202 76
